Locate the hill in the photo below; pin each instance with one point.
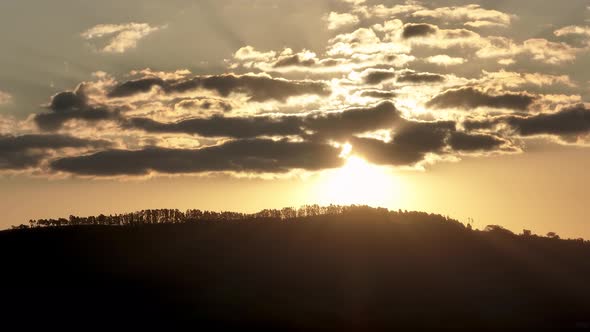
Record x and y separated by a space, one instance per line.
355 268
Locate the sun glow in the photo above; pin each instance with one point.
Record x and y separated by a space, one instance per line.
359 182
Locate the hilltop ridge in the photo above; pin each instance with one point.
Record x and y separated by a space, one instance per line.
361 268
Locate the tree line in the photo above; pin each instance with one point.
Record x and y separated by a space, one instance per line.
175 216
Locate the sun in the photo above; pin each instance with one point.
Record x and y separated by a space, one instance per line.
358 182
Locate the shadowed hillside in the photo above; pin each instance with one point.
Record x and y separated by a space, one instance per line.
346 268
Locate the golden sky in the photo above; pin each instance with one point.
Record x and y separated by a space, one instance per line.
469 109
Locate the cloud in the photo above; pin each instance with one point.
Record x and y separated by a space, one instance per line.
567 123
257 87
543 50
573 30
287 61
217 126
121 37
333 125
470 98
468 13
354 2
411 143
461 141
353 120
71 105
418 30
509 79
340 20
550 52
409 76
575 35
257 155
431 36
203 103
294 60
445 60
378 94
248 53
25 151
484 24
303 59
382 11
178 122
376 76
5 98
570 124
363 41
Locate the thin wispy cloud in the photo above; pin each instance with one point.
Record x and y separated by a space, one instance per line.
119 38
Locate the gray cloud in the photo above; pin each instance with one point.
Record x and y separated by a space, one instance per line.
468 98
474 125
376 76
567 123
258 88
219 126
294 60
325 124
257 155
570 121
353 120
69 105
20 152
418 30
414 77
461 141
410 144
204 103
379 94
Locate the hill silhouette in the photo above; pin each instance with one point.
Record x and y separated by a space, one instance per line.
345 268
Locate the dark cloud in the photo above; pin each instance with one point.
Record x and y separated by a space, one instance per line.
68 100
218 126
70 105
379 94
353 120
484 124
461 141
54 121
468 98
424 136
413 77
258 88
133 87
20 152
202 103
294 60
568 122
324 124
410 143
418 30
376 76
258 156
226 107
328 62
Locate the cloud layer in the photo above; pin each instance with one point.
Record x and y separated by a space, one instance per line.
404 86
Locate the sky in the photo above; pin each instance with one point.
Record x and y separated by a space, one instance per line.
471 109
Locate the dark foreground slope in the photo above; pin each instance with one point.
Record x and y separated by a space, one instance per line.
347 272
